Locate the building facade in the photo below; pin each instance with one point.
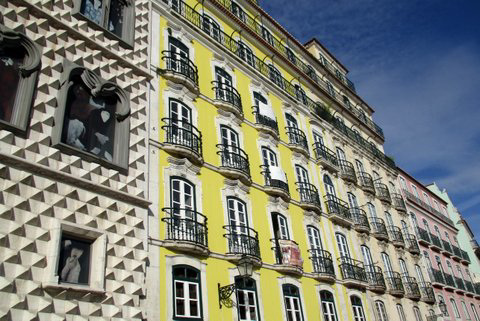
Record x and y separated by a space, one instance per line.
73 109
445 261
465 236
261 151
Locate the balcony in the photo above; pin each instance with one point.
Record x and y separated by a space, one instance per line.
186 231
399 203
426 290
337 211
427 207
436 244
376 281
365 182
297 141
449 281
326 157
309 198
457 253
477 288
275 185
396 236
437 278
412 290
379 230
242 241
183 139
460 285
322 265
465 257
360 220
353 272
412 245
469 287
288 258
423 236
347 172
264 123
180 70
395 286
447 248
382 193
235 163
227 98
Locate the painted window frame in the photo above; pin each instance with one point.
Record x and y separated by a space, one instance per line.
456 311
381 311
357 306
288 294
187 281
241 287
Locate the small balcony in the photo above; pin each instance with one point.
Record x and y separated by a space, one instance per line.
227 98
427 293
412 245
309 198
337 211
235 163
447 248
265 123
288 258
437 278
297 141
180 70
242 241
477 288
186 231
460 285
399 203
396 236
395 285
423 236
412 290
379 230
365 182
183 139
322 265
465 257
376 281
326 157
276 184
347 171
469 287
360 220
457 253
436 244
382 193
353 272
449 281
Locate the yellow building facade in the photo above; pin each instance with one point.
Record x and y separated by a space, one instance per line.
260 150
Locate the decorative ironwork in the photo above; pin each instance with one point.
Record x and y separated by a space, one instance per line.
308 194
322 261
180 65
274 182
352 269
297 137
242 240
227 94
183 134
234 157
185 224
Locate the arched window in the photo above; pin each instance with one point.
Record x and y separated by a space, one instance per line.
19 65
314 237
211 27
293 306
381 311
92 118
300 93
280 226
245 53
291 55
455 308
342 247
186 293
442 300
311 73
371 210
328 184
238 11
269 157
418 315
465 311
358 314
238 225
401 313
247 300
267 36
475 313
275 75
328 306
330 89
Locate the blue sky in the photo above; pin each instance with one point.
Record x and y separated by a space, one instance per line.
417 63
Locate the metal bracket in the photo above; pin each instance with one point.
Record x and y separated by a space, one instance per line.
225 292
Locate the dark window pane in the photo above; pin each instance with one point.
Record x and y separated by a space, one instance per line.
192 291
115 17
179 290
193 308
241 297
92 9
10 60
243 312
180 307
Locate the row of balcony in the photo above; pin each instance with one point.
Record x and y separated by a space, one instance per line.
440 245
441 279
186 72
427 207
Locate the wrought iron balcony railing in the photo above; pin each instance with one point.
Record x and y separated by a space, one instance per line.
394 282
460 284
437 276
435 241
325 154
412 290
465 256
382 192
378 228
412 245
447 247
423 235
287 253
456 251
180 65
426 290
352 269
360 220
180 133
396 235
228 94
234 157
242 240
366 182
265 120
477 288
309 194
469 286
185 225
271 182
322 261
427 207
297 137
336 206
375 278
449 280
398 202
347 171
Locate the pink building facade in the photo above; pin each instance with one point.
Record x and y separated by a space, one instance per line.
443 262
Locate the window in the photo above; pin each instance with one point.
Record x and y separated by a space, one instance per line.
239 235
328 184
440 300
74 264
381 311
186 287
247 301
436 205
371 210
330 89
245 53
238 11
418 315
275 75
300 93
291 55
358 314
19 65
455 308
465 311
401 313
415 192
475 313
280 227
269 157
427 199
328 306
115 16
388 264
267 36
311 73
92 118
293 307
403 183
342 245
